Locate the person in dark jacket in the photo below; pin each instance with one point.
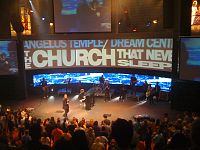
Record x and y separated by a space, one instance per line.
66 105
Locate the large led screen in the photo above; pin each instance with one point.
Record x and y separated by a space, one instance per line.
190 59
112 78
141 15
8 58
82 15
151 54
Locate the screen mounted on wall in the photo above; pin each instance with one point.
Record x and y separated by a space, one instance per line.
141 15
8 57
190 59
151 54
82 15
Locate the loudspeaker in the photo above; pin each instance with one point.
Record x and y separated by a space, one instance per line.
185 18
168 13
164 95
15 18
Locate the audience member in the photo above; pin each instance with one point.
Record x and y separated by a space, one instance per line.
146 133
195 135
122 132
97 145
79 140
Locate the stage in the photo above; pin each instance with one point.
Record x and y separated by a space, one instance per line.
45 108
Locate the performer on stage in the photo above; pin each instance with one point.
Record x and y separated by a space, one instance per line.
68 84
92 95
149 96
66 105
157 91
87 102
81 96
101 81
123 92
107 93
145 87
44 88
132 85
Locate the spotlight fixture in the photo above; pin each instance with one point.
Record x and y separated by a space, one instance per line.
155 21
134 29
51 23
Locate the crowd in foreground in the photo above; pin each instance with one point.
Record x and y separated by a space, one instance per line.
20 131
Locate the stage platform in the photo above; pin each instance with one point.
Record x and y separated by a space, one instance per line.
98 92
46 108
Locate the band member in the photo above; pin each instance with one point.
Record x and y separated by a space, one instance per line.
149 96
87 102
157 91
68 85
81 96
107 93
92 95
145 87
92 99
101 81
132 85
123 91
66 105
44 88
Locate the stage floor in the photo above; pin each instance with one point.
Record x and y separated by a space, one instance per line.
45 108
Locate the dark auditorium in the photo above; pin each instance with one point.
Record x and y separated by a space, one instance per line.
100 75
